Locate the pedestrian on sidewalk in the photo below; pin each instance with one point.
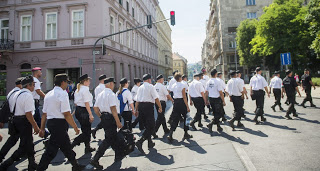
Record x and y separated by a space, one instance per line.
275 85
180 107
83 101
257 84
235 91
97 91
307 85
214 90
107 108
198 98
56 110
163 97
147 96
289 87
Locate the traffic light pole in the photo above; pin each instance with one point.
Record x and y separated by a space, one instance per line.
95 44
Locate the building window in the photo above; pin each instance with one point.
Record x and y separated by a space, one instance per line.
113 69
127 6
139 72
4 26
26 22
232 58
121 29
132 12
130 74
232 30
25 66
51 25
112 27
251 15
78 23
120 2
232 44
251 2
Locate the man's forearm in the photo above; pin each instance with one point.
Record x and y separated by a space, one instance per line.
70 120
31 120
158 103
43 121
40 93
115 114
97 111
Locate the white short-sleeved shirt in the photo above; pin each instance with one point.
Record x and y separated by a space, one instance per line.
82 96
258 82
56 102
171 82
206 78
162 91
196 88
127 97
184 82
98 90
204 83
24 103
234 87
223 84
214 86
106 99
11 99
240 80
177 90
276 82
134 91
146 93
37 86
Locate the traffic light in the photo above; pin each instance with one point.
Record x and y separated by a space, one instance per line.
173 18
149 21
104 49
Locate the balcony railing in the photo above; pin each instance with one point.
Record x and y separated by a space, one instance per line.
6 45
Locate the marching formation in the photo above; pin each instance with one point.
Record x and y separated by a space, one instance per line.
116 110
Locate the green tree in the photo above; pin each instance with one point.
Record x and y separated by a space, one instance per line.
280 29
245 33
313 19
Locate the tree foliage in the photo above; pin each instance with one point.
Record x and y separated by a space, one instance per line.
245 33
313 19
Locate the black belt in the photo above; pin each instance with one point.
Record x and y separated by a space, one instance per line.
277 88
178 99
196 97
146 103
258 90
106 113
162 101
19 117
214 97
235 96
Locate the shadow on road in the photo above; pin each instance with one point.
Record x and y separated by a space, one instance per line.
230 137
158 158
117 166
307 120
253 132
194 146
279 126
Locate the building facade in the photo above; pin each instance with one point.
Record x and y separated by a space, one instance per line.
180 63
165 60
219 48
58 36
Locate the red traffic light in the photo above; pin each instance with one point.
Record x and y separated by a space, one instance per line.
171 12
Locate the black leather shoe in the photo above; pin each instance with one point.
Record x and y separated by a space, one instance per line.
302 104
281 109
205 117
231 125
224 119
78 167
240 125
187 136
273 108
295 115
89 150
96 165
312 105
155 136
94 132
170 139
167 131
32 166
219 129
192 126
139 146
256 121
151 145
200 125
288 117
263 119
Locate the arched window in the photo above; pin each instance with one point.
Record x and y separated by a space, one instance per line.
25 66
3 67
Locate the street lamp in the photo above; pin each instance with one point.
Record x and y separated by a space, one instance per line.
235 54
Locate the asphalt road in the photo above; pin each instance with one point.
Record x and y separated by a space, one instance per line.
278 144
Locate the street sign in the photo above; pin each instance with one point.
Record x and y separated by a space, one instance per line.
97 52
285 58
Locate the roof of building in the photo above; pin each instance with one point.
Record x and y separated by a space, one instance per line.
177 56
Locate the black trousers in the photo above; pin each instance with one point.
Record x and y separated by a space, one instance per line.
259 94
217 106
200 106
59 139
146 116
161 120
292 99
110 129
179 110
238 107
308 95
277 96
37 115
11 141
82 116
127 117
24 132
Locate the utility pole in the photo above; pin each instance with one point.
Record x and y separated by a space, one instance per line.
235 54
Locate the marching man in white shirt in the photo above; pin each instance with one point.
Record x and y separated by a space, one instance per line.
107 108
97 91
134 90
163 96
147 96
204 83
56 110
219 77
198 98
23 122
276 84
235 91
257 84
214 90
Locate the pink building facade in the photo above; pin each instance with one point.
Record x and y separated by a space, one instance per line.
58 36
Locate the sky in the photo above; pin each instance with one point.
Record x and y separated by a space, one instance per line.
190 30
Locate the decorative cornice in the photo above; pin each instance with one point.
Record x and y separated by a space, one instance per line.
85 4
25 10
50 7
